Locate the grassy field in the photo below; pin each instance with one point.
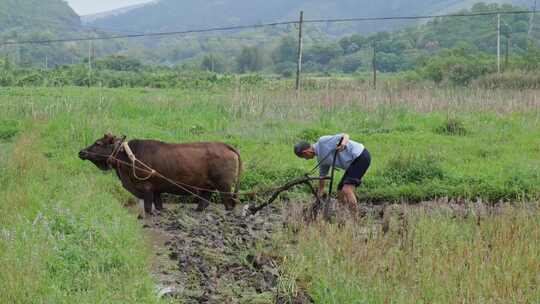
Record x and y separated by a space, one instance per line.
435 253
65 237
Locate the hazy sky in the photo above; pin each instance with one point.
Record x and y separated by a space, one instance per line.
84 7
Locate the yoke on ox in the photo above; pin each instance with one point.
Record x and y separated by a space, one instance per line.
203 168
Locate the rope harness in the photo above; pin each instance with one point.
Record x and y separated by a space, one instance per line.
134 162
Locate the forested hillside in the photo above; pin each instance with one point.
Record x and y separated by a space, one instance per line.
178 15
271 49
37 15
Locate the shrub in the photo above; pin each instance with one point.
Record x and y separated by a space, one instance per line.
8 130
456 67
452 126
413 168
310 134
286 69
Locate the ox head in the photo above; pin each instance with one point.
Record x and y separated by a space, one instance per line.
100 151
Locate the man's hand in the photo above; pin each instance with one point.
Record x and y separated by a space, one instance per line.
344 143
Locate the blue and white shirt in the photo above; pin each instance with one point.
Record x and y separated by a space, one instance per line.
327 145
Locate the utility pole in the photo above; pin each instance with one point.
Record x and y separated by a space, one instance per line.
531 21
89 55
508 41
374 65
299 63
89 63
499 43
46 62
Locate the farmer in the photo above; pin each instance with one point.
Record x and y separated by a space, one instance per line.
352 157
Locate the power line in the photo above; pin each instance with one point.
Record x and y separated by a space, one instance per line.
241 27
493 13
215 29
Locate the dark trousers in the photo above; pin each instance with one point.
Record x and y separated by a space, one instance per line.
356 171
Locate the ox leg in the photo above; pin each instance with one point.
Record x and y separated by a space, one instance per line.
204 201
229 202
227 198
158 203
141 209
148 201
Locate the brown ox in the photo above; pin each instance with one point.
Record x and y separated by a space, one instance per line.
206 166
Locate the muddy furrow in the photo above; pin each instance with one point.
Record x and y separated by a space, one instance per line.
214 256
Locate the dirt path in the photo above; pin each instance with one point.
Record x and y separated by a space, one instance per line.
214 256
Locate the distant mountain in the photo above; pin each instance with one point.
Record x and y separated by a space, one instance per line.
173 15
22 20
109 14
38 15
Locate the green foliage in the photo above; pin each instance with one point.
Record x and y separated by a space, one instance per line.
37 15
311 134
352 44
286 51
8 129
323 54
452 126
434 50
119 63
250 60
413 168
530 61
352 63
459 66
214 63
286 69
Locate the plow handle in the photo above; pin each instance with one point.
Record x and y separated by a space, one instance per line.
334 168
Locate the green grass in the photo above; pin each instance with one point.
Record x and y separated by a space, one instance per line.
477 144
65 236
429 257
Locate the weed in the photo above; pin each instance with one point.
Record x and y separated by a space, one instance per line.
8 130
452 126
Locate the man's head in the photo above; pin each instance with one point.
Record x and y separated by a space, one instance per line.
304 150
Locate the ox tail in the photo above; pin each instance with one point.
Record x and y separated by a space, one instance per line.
238 172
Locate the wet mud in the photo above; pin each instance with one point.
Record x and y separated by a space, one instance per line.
216 256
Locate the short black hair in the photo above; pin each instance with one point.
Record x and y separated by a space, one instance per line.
301 147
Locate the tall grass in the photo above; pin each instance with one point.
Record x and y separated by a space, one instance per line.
495 157
63 236
427 256
510 80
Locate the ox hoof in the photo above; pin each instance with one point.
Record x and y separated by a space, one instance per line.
144 215
199 209
202 206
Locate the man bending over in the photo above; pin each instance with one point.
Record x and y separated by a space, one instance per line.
352 157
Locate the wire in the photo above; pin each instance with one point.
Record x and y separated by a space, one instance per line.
420 17
215 29
240 27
